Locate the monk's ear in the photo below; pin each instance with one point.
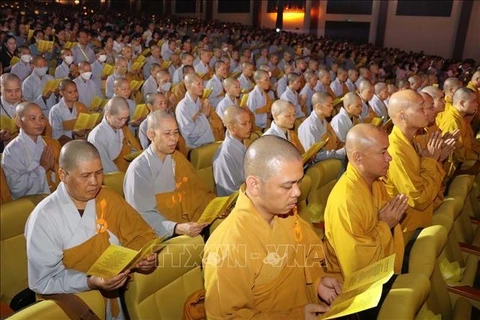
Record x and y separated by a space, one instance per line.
150 134
62 174
18 121
356 157
253 185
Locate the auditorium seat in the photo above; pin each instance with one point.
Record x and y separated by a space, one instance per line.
162 294
13 254
302 208
202 161
254 135
49 309
114 180
182 146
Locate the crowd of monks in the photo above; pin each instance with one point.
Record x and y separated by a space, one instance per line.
399 140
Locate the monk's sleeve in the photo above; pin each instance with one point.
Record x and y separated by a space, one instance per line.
449 125
229 279
422 186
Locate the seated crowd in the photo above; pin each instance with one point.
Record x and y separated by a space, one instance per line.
151 93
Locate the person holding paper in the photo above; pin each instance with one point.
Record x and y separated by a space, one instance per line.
82 51
316 127
193 114
414 171
216 83
154 101
63 70
360 233
163 186
29 160
228 160
348 115
70 229
87 88
263 260
112 137
66 110
34 84
283 113
23 68
155 57
121 68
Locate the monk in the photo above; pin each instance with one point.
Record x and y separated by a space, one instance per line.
258 102
414 171
316 127
474 84
283 113
263 260
348 116
163 186
360 233
112 137
291 95
10 97
366 92
228 160
232 93
72 227
450 86
30 161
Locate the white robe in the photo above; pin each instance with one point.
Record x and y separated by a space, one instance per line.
147 176
292 97
87 90
365 111
178 75
228 166
62 71
7 109
337 87
32 89
146 68
22 70
58 114
142 134
282 85
320 87
256 100
83 54
275 130
149 86
311 131
108 143
245 83
224 104
217 94
109 91
341 124
97 73
350 85
202 68
21 166
379 107
308 93
196 133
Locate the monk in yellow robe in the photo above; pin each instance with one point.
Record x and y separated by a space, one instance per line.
362 232
474 84
450 86
264 261
69 230
416 173
465 105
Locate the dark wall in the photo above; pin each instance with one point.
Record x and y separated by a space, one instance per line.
350 6
345 30
427 8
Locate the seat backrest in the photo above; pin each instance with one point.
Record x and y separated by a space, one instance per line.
202 160
49 309
324 176
114 180
302 208
162 294
13 253
5 194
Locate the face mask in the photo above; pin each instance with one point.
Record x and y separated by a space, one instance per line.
40 71
102 58
166 86
86 75
26 58
69 59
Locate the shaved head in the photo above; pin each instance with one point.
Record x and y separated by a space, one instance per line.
155 119
232 114
24 107
279 107
350 98
400 101
451 85
462 94
75 152
115 105
433 92
361 137
190 78
320 98
266 153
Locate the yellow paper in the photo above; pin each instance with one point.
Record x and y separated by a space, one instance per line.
108 69
362 289
45 46
207 93
435 85
93 120
51 85
14 61
337 101
235 74
30 34
116 259
160 42
96 102
166 64
216 207
70 45
141 111
205 76
131 156
377 122
86 121
146 52
314 149
140 58
69 124
137 65
243 101
7 123
135 84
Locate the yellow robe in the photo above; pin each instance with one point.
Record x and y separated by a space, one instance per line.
129 144
218 128
448 105
295 141
190 197
476 120
452 120
419 178
254 270
5 194
356 238
52 175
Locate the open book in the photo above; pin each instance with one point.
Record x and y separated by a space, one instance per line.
165 64
7 123
377 122
146 52
51 85
45 46
205 76
84 121
117 259
141 111
14 61
362 289
97 103
314 149
137 65
108 69
217 207
207 93
70 45
136 84
243 101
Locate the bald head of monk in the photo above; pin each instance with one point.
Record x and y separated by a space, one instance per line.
117 112
283 113
450 86
352 103
273 172
465 101
438 98
81 171
30 118
194 85
476 79
10 88
237 121
322 104
232 87
366 147
406 109
428 107
122 88
365 90
163 132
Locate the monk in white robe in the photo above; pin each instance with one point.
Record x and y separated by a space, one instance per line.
228 160
69 230
323 83
348 115
121 69
246 84
283 114
263 260
216 83
163 186
291 95
258 101
154 101
338 86
352 78
232 89
87 88
360 233
29 161
282 83
308 90
366 92
378 101
150 85
11 96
